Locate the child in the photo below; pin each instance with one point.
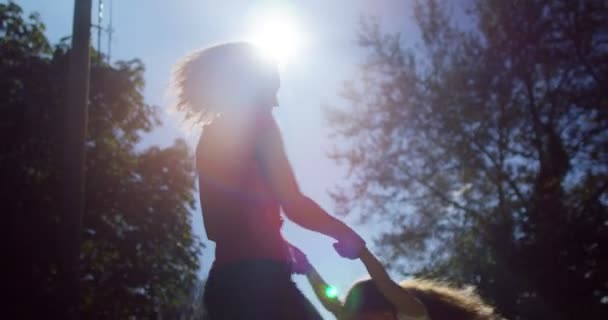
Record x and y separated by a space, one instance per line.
244 181
381 298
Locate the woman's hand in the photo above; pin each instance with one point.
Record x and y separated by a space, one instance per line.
350 244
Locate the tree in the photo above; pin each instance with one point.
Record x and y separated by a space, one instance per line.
194 308
139 256
486 151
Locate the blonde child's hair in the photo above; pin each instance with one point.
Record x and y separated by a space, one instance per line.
444 301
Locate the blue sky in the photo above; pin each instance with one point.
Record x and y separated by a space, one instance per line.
159 32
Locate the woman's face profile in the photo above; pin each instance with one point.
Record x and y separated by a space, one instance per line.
270 92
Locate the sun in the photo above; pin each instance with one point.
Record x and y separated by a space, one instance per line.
277 34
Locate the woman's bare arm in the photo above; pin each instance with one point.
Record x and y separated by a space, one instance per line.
298 208
403 301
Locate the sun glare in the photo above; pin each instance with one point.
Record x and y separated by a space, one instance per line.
331 292
276 33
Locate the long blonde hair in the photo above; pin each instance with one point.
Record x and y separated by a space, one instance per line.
443 301
207 81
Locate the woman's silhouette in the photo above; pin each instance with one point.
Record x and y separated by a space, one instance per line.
244 180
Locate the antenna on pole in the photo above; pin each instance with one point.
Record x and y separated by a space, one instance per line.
110 31
99 27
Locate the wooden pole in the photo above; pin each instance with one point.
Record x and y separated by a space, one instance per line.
73 156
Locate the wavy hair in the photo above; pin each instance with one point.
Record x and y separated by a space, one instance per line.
442 301
206 82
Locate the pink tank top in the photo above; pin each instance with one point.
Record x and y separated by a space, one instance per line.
240 212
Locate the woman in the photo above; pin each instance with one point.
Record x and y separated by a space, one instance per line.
244 181
380 298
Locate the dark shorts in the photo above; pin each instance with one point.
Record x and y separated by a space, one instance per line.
259 289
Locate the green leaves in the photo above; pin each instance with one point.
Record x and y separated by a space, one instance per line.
471 149
139 256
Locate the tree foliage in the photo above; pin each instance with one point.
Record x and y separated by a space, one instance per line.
139 256
485 150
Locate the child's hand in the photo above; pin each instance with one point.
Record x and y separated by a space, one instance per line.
351 246
300 263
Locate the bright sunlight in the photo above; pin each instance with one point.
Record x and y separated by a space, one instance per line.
277 34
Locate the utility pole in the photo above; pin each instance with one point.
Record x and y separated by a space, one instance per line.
75 124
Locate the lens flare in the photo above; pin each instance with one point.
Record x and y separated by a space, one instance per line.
331 292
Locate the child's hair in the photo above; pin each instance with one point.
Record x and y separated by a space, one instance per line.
446 302
442 301
364 297
208 81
